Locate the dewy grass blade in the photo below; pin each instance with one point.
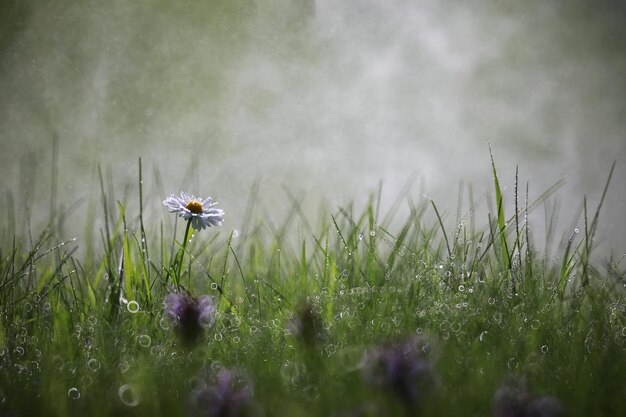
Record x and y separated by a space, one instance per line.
443 228
506 257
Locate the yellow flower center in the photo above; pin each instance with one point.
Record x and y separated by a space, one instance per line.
194 206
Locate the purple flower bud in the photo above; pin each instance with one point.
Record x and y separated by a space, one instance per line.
306 325
189 315
229 393
511 399
546 406
401 369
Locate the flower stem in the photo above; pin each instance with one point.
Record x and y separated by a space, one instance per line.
181 255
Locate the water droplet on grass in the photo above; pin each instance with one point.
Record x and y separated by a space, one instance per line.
544 349
128 395
133 306
73 393
87 380
124 366
144 340
311 393
58 363
93 365
497 317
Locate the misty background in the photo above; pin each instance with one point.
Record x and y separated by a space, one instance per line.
327 98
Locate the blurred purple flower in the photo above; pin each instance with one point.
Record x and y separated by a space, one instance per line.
190 315
513 399
227 394
402 369
199 210
546 406
306 325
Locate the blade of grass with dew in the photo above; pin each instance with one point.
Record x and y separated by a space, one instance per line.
506 257
443 228
591 232
129 271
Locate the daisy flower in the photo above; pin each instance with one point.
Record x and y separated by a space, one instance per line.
200 211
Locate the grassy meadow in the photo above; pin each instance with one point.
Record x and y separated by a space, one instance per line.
417 310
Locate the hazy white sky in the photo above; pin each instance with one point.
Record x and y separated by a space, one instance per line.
323 96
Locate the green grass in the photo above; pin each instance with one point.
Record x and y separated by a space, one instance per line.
83 332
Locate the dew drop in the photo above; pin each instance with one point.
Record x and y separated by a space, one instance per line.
73 393
133 306
87 380
544 349
497 317
372 233
311 393
144 340
512 363
124 366
128 395
93 365
58 363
